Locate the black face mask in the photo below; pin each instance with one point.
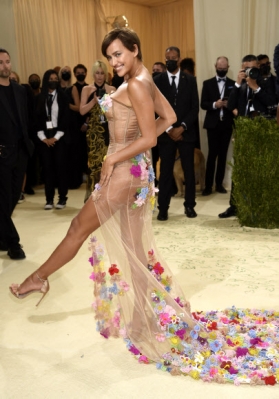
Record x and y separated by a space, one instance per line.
265 70
66 76
171 65
52 84
80 78
221 73
35 84
155 74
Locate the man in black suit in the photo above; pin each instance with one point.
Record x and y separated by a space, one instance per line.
249 97
218 122
180 89
268 81
15 147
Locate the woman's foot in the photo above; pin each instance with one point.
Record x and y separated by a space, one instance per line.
30 285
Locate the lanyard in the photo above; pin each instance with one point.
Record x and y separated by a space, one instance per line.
50 100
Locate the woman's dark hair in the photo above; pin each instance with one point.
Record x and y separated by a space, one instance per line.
33 74
188 64
46 79
80 66
127 37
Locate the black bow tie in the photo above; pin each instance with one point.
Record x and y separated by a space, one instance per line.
221 80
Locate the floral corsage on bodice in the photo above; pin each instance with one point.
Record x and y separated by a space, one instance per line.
105 102
142 168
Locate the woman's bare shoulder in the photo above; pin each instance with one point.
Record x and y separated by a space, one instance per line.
88 87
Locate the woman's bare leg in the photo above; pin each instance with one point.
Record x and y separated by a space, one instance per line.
81 226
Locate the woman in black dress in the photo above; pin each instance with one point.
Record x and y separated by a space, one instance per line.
97 133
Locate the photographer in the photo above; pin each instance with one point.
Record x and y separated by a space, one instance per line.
249 97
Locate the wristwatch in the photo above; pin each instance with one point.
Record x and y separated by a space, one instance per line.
183 124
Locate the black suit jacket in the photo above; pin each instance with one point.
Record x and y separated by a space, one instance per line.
8 120
63 114
264 98
187 103
210 94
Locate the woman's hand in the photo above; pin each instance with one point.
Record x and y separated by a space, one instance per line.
50 142
106 172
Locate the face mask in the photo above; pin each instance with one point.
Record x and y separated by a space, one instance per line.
52 84
80 78
155 74
171 65
66 76
265 70
35 84
221 73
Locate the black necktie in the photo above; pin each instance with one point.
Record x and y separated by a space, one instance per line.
173 90
49 104
250 94
173 86
221 80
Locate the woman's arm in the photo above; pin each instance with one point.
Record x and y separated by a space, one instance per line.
75 97
86 91
145 106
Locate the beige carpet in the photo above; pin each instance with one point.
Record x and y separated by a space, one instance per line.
54 351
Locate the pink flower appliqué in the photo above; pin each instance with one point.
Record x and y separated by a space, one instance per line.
135 170
124 285
139 201
160 337
144 170
164 318
98 277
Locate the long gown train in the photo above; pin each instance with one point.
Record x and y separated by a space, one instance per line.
137 298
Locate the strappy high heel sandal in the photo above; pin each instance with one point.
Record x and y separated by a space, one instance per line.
44 290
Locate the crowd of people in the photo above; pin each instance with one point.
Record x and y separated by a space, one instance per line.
69 132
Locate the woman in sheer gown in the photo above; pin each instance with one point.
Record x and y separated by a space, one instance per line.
136 296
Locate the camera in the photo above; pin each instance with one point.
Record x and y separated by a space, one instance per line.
252 73
271 112
100 92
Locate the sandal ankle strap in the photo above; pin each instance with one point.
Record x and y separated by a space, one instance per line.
41 280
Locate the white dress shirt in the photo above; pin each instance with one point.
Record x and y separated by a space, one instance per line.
54 118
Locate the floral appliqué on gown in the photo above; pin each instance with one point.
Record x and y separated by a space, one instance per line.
138 299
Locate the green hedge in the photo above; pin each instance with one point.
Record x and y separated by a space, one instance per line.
256 172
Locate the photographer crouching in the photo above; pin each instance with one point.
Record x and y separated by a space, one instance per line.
250 97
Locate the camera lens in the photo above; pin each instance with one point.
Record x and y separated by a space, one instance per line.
252 73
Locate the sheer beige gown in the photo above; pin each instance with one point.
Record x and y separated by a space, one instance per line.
137 298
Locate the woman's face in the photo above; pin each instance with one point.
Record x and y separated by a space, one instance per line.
99 77
120 58
53 82
66 73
